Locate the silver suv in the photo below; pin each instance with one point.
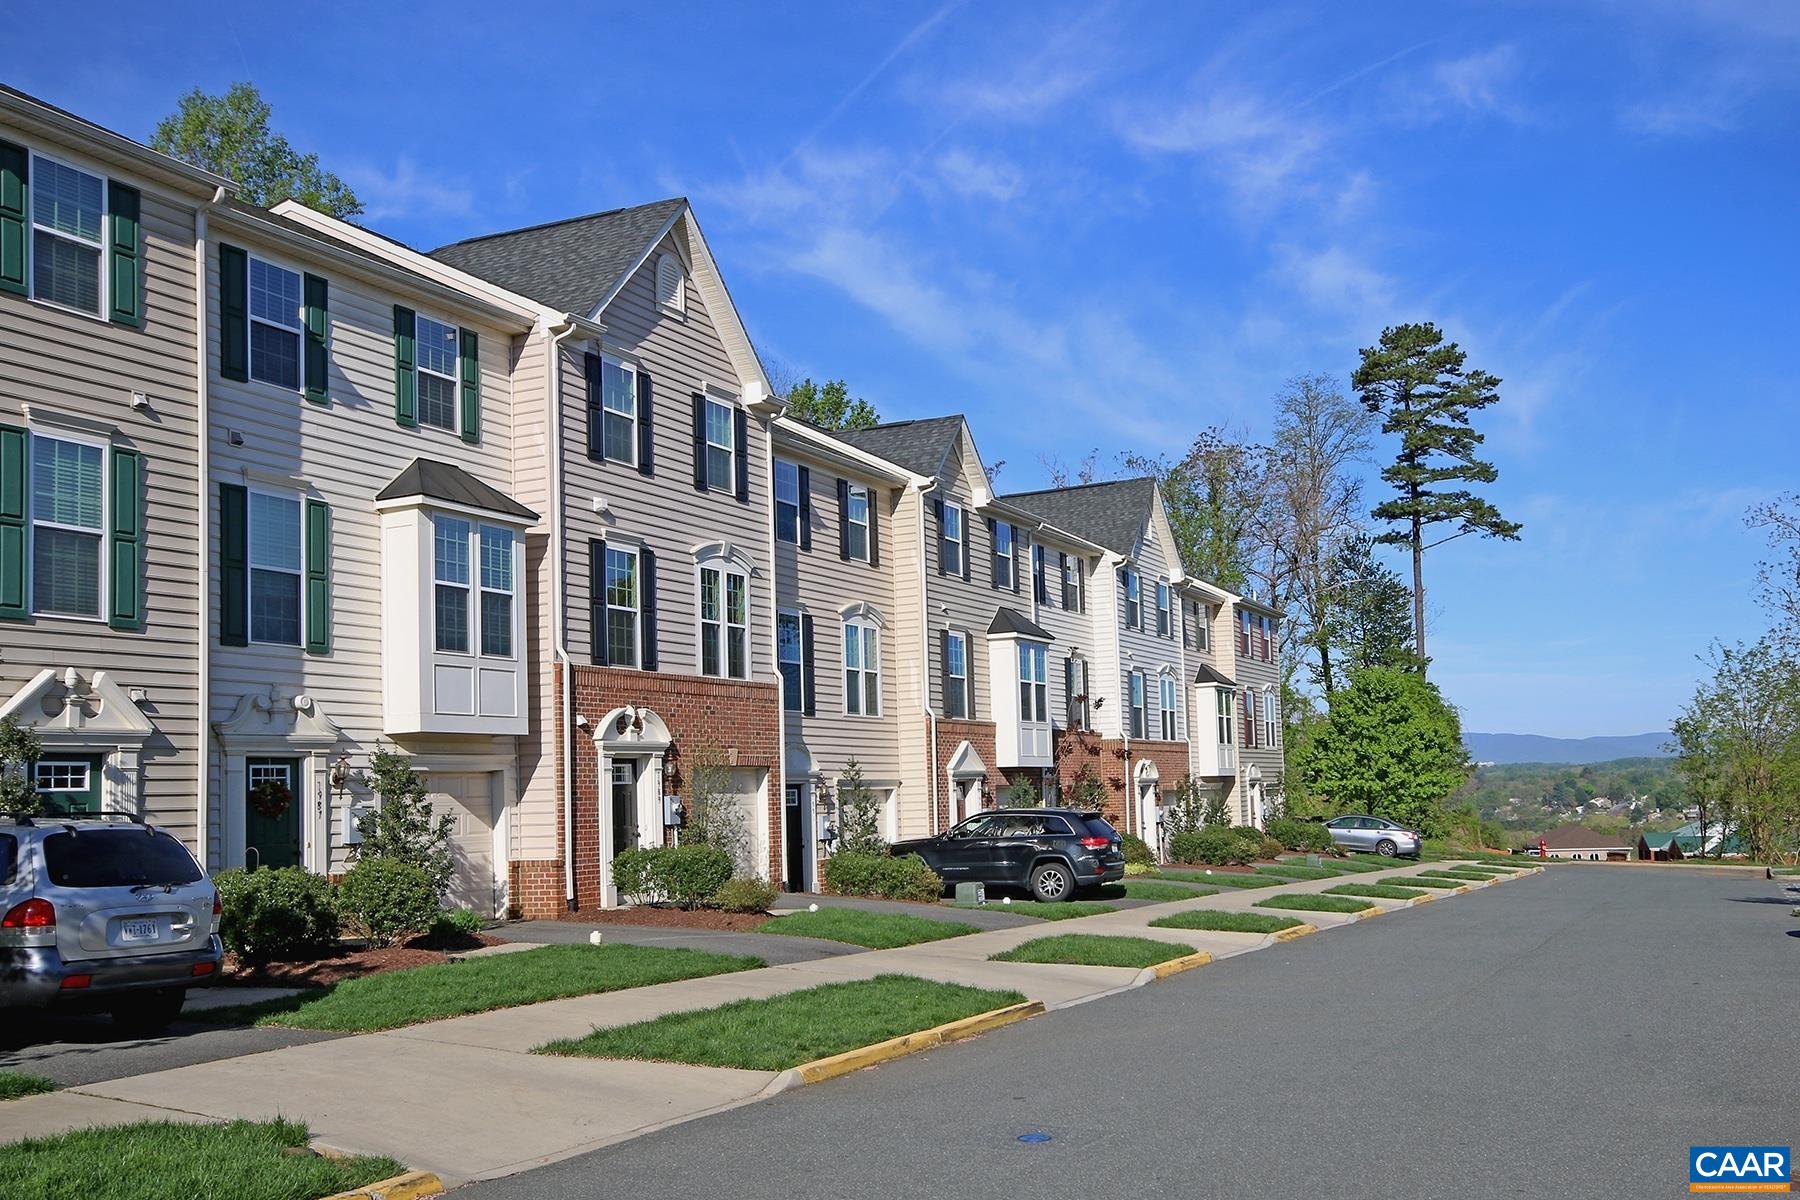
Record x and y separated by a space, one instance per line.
103 914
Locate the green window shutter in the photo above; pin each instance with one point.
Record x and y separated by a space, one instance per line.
234 313
471 386
318 577
126 534
126 240
234 565
15 174
13 465
318 322
406 382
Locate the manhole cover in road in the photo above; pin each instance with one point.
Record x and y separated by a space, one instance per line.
1034 1138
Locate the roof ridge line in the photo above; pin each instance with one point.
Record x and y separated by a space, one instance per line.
605 212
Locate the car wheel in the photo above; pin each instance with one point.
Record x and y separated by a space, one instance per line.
1051 881
149 1012
1385 847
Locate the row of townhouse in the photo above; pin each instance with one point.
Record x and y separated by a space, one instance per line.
276 491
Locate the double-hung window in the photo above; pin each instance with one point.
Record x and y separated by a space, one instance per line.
951 538
721 445
956 675
68 498
437 363
618 411
856 518
790 659
1071 583
1244 634
68 210
787 502
473 578
452 580
1251 715
623 611
276 579
862 669
1270 723
275 325
1138 719
1003 555
1075 687
1268 640
1226 707
1163 615
724 623
1133 601
1167 708
496 591
1034 687
1040 588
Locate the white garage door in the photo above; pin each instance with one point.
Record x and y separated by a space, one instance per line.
470 800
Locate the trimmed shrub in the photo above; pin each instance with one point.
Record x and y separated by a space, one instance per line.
903 878
1269 848
1137 850
1132 868
387 900
457 925
275 913
1249 833
1214 847
684 876
1300 835
744 895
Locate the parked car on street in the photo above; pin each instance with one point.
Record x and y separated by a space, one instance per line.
103 914
1376 835
1050 852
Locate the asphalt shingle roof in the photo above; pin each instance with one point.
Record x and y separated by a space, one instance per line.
444 481
1112 514
1011 620
570 264
1576 837
919 446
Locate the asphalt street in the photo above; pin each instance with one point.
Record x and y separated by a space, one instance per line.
1566 1035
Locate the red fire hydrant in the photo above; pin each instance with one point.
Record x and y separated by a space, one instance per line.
1543 848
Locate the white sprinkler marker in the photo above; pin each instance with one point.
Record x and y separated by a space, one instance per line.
594 938
812 908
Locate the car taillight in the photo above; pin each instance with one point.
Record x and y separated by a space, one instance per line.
217 907
34 913
1095 843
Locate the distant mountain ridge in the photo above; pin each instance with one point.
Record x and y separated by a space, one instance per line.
1536 748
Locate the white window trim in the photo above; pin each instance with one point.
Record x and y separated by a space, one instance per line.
967 690
799 508
103 532
1040 575
1071 581
1134 599
250 567
799 660
636 608
419 371
477 553
471 588
868 495
1034 672
1086 707
1168 706
1270 724
730 447
630 367
298 329
105 247
49 760
1165 609
861 623
1010 559
1226 705
726 567
1137 702
960 541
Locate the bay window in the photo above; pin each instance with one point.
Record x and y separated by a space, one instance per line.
451 581
496 591
1034 690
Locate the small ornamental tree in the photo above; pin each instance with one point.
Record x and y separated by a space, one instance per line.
1086 792
20 748
1023 793
1215 812
1188 813
715 817
405 827
859 814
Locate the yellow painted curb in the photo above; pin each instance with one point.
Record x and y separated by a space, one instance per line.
1294 931
1370 913
1427 898
821 1069
1176 966
410 1186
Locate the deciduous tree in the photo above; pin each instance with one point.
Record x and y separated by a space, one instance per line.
830 406
229 135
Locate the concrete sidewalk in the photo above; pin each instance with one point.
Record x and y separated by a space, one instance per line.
466 1099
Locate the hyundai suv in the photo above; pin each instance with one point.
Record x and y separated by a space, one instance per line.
100 914
1051 852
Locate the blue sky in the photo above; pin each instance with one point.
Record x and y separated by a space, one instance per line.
1108 225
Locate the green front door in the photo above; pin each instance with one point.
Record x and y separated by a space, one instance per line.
68 785
271 837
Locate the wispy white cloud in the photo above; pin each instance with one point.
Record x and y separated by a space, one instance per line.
1483 83
979 177
1253 147
406 190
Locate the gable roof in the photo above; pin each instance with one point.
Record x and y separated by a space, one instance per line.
1011 620
1210 674
921 446
444 481
572 264
1113 514
1578 837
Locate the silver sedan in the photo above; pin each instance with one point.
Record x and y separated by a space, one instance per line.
1374 835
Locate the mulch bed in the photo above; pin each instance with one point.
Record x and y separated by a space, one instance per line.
1234 870
350 962
674 918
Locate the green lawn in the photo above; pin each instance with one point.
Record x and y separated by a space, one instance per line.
14 1084
1225 922
1048 910
165 1160
1234 879
396 998
876 930
1092 950
1163 893
1295 871
1427 881
1457 873
1359 864
1301 902
1377 891
778 1032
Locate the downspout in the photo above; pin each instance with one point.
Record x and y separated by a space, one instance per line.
203 561
558 633
925 675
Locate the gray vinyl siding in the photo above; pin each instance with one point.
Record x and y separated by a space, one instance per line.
1071 629
1148 651
63 362
682 352
970 606
1253 672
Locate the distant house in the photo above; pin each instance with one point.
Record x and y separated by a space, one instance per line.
1576 841
1716 839
1665 847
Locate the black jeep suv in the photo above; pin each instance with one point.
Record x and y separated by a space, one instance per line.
1051 852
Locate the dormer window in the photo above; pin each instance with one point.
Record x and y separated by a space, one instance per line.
671 293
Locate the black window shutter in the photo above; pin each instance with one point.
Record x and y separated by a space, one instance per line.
234 554
126 243
15 177
597 600
1069 693
742 457
994 554
806 661
1017 559
647 605
596 418
317 319
937 506
944 669
406 381
843 519
15 511
968 547
646 424
699 442
805 488
234 313
874 528
969 670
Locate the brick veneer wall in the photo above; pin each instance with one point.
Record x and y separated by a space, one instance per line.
1105 757
950 735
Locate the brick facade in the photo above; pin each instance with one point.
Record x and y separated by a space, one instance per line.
950 735
1105 758
535 889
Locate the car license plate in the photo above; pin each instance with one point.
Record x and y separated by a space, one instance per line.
137 931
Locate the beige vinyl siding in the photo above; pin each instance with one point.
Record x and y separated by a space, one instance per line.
343 453
952 603
682 352
66 363
910 531
820 584
534 826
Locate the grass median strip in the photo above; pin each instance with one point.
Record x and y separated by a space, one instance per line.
1164 893
1465 876
1303 902
1427 881
1290 871
858 927
1231 879
1047 910
1094 950
166 1160
396 998
1376 891
778 1032
1215 921
14 1084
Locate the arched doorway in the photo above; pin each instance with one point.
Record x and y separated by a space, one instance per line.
967 776
1149 814
1253 801
631 744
